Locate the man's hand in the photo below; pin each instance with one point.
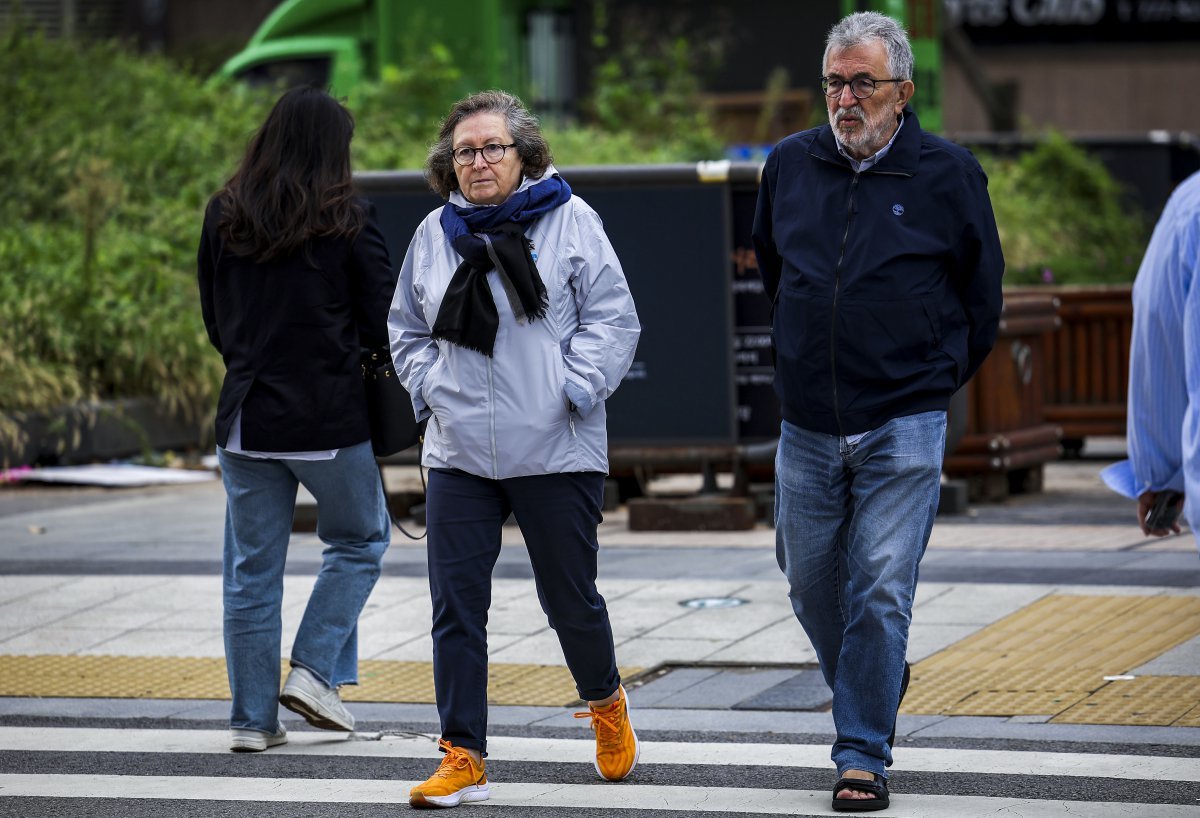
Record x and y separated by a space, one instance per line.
1145 503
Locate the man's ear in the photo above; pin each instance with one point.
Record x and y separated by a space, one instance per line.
904 95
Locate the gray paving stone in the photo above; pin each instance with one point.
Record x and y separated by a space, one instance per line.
911 725
804 690
726 688
677 680
1181 660
1004 728
115 708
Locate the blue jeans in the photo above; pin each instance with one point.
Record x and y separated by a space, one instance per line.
558 515
851 524
352 522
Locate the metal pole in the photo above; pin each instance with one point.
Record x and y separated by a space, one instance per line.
69 17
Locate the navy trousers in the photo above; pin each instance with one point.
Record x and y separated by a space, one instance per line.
558 515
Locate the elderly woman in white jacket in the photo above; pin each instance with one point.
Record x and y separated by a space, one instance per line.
511 324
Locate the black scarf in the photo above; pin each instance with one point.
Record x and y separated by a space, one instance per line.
494 238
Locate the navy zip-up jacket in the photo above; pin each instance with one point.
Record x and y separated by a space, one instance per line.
885 283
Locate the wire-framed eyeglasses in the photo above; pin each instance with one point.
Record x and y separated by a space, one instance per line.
861 87
492 153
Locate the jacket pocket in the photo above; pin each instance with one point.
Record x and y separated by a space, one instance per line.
932 315
882 343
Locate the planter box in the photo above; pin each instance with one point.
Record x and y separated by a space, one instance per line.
1007 439
1087 362
102 430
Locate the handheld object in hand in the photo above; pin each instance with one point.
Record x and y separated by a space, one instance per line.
1165 510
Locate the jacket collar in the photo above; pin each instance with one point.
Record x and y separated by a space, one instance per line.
902 158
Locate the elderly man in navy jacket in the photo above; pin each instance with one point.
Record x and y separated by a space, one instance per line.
877 244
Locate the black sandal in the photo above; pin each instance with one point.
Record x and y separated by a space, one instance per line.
876 787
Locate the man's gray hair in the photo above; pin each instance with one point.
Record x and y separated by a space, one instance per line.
531 145
865 27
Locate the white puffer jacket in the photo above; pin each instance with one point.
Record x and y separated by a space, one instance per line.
510 415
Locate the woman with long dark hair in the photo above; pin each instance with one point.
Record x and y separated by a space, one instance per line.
294 280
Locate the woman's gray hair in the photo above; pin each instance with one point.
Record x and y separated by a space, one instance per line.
526 133
865 27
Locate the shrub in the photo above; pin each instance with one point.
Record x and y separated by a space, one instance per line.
398 117
648 86
108 159
1062 218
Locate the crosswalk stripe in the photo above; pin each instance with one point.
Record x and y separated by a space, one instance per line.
508 748
623 797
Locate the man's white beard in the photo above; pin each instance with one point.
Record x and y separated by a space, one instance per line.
869 134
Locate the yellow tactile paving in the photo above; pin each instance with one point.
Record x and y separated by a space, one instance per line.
119 677
1189 719
1051 657
380 681
1016 702
1150 700
159 677
941 689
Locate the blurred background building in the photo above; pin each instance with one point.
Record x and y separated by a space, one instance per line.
1080 66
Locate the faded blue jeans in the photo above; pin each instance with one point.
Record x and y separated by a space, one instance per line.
851 523
353 523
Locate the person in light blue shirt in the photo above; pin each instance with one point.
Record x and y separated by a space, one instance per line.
1164 362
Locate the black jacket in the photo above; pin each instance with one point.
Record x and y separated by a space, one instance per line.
886 283
290 334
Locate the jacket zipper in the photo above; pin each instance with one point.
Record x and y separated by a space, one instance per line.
837 276
492 421
837 283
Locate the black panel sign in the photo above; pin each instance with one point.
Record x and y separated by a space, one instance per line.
758 407
673 240
1060 21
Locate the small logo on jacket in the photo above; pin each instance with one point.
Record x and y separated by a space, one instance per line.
898 209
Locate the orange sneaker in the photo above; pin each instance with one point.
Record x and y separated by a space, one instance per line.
458 778
617 747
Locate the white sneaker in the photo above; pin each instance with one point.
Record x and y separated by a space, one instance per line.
245 740
321 706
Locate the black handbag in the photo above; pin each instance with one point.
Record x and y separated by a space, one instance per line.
394 427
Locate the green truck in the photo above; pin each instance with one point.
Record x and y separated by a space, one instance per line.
521 44
532 47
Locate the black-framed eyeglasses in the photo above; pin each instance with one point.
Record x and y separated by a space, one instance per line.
492 153
861 87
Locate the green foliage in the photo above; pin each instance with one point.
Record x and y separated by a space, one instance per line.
1062 217
648 86
399 115
108 160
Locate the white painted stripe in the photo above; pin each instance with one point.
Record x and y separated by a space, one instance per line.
624 797
994 762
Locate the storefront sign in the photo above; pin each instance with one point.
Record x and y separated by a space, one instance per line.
1031 21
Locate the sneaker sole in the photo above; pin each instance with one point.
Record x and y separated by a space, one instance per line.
299 702
467 794
248 745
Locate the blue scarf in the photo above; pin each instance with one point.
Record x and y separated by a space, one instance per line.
494 238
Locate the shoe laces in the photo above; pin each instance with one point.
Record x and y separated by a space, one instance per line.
607 723
455 759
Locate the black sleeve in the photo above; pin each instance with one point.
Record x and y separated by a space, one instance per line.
981 269
374 282
206 266
770 265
